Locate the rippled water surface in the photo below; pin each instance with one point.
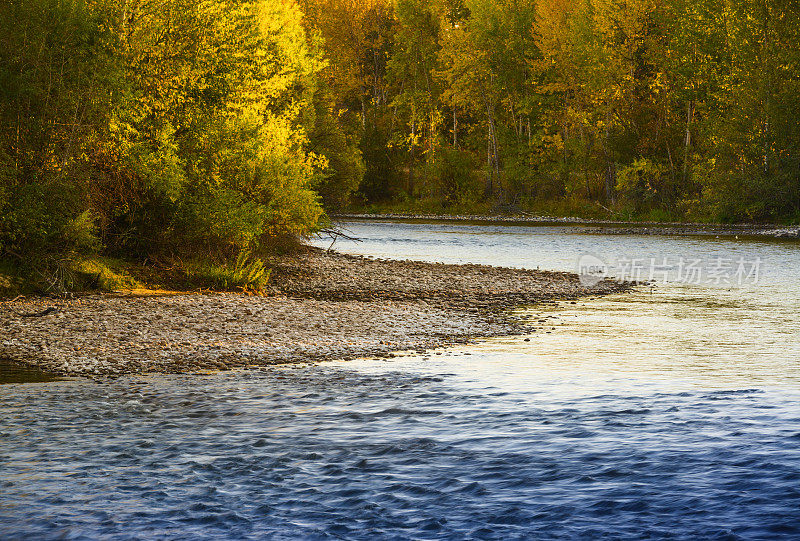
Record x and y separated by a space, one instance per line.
673 412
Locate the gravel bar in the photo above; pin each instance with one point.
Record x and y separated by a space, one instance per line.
603 227
321 306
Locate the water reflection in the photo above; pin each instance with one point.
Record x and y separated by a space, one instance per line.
11 372
714 333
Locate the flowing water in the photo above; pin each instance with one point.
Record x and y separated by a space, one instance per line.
671 412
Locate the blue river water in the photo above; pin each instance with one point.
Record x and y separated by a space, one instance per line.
669 413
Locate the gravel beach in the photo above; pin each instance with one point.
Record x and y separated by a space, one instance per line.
321 306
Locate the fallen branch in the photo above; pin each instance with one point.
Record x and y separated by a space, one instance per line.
604 207
45 312
336 234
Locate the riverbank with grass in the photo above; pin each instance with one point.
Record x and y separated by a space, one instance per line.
317 306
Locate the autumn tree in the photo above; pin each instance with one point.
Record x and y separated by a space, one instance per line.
156 127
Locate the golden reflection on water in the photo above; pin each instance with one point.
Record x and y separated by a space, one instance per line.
675 332
675 337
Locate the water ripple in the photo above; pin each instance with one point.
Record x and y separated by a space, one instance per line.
91 462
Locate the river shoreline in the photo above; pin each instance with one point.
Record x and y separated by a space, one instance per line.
321 306
600 227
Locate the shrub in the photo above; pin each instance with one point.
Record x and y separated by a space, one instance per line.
456 172
101 273
642 183
247 273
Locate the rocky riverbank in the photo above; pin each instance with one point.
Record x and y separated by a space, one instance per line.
604 227
321 306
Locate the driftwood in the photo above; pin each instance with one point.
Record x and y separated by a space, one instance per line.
45 312
336 234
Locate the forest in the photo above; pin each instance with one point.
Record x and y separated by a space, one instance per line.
632 109
204 131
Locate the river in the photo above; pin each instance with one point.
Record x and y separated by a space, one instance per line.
671 412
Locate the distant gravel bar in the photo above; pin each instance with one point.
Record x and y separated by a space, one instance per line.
604 227
322 306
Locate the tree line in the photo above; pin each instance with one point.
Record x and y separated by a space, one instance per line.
667 109
209 127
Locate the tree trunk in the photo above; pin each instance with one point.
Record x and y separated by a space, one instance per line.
611 181
410 186
488 188
124 21
767 72
494 165
455 128
687 141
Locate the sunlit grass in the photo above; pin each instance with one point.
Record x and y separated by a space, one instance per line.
103 273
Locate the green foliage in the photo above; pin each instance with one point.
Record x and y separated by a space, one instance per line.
43 217
455 169
218 220
658 107
249 272
641 183
9 282
102 273
246 273
383 179
57 75
345 166
179 127
80 233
